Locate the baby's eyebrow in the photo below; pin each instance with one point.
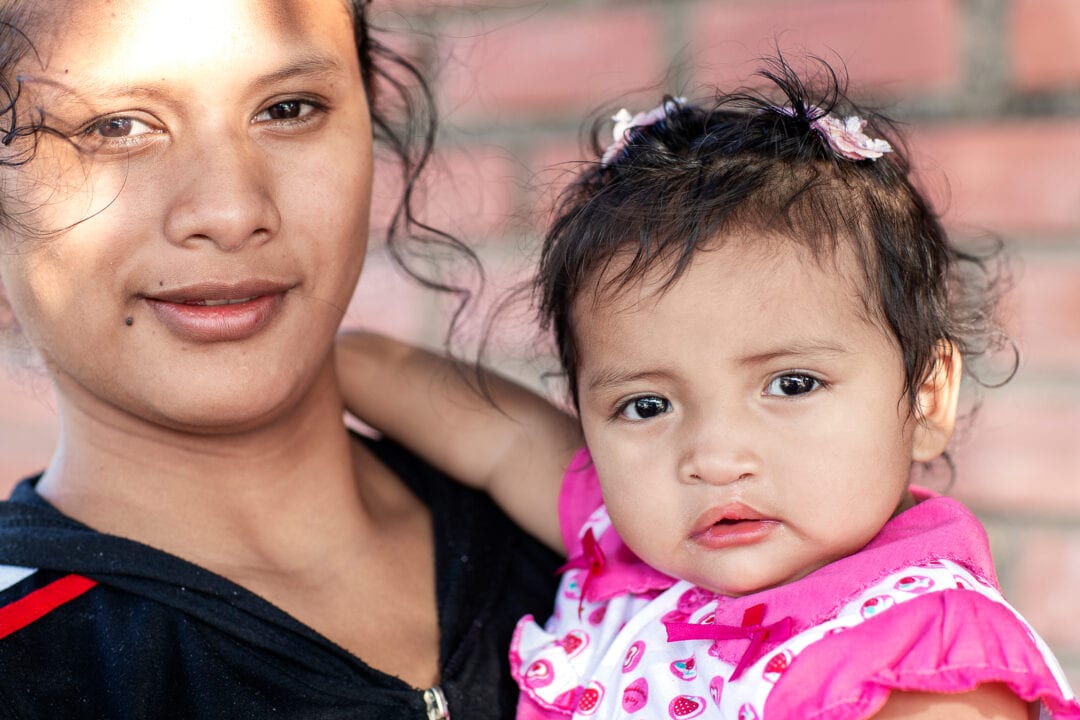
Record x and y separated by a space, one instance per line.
613 377
794 350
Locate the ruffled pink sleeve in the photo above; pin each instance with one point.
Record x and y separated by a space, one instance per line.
943 642
529 709
579 498
621 571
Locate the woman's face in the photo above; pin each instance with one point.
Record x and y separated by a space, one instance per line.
183 247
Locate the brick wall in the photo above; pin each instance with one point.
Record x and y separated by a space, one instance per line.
991 88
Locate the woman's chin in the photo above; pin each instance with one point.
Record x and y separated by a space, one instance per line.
225 402
224 416
227 409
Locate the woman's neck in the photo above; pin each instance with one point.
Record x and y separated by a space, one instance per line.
267 498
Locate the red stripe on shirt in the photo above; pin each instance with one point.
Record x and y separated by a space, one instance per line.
41 602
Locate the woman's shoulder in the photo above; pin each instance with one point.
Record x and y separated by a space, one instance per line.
141 610
77 646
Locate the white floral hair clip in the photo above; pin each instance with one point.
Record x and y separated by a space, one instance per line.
624 122
847 139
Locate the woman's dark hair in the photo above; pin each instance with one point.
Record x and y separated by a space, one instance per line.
403 120
752 163
411 139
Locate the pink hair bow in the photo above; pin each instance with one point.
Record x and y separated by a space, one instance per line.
624 122
847 139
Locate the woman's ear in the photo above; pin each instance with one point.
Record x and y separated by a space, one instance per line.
936 404
7 315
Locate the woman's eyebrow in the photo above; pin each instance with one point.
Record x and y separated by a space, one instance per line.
309 65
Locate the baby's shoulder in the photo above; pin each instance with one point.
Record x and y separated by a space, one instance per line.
937 628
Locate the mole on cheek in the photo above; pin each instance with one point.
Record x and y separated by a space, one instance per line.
129 321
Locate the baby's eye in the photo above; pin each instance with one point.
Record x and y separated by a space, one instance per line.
645 407
286 110
792 385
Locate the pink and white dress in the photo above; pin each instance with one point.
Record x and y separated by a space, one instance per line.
917 609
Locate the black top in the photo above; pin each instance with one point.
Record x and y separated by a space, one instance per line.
159 637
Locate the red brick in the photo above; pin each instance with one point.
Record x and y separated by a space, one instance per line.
503 315
469 193
1043 39
406 45
546 65
388 301
896 44
1013 176
554 166
1020 454
1043 309
1047 585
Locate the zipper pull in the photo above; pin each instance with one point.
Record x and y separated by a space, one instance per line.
435 701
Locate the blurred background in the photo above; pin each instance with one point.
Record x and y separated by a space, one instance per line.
990 90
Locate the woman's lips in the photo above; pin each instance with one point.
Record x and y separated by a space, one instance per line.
218 313
730 526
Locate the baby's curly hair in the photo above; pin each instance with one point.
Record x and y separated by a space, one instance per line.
753 164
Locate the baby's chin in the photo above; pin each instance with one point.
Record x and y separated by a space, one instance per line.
750 583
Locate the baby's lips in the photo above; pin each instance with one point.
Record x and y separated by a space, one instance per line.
730 513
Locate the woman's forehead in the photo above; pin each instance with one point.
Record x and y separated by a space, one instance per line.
169 35
286 12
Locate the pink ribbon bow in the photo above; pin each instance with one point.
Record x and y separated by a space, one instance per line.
624 122
844 136
591 559
751 629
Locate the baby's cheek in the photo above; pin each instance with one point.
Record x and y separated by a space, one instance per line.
641 528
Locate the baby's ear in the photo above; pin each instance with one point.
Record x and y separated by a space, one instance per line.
936 404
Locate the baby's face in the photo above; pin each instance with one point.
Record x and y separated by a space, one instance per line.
748 424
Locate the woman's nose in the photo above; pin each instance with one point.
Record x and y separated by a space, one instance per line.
719 453
223 195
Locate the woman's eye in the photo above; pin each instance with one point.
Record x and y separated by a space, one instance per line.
113 128
646 407
792 385
286 110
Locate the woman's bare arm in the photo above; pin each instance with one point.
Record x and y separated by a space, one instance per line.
516 450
